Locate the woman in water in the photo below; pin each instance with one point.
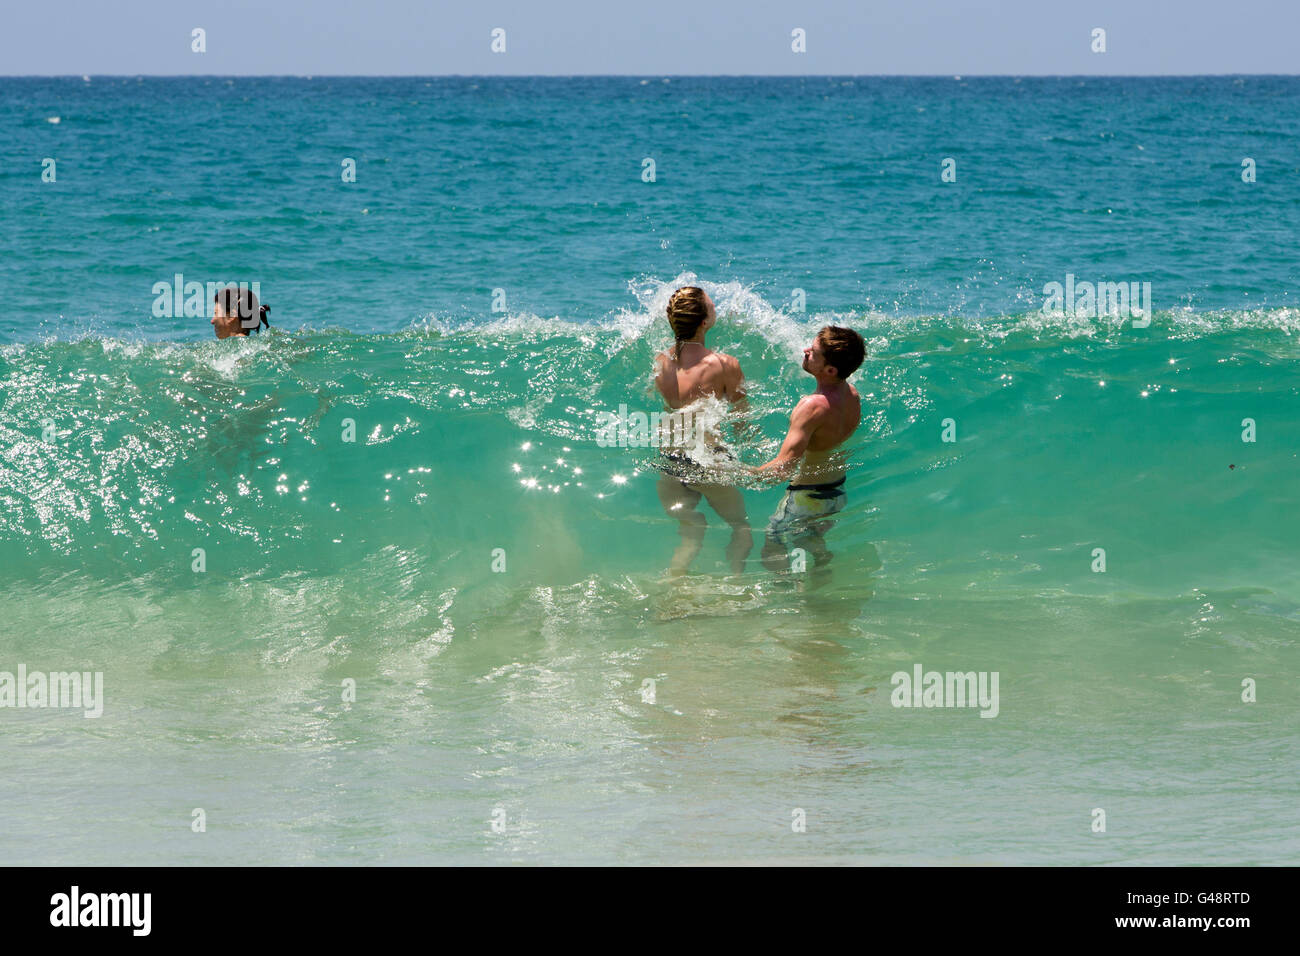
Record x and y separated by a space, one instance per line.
684 375
237 311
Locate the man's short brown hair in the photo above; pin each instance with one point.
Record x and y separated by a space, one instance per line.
843 348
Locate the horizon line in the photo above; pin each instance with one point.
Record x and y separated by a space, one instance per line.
634 76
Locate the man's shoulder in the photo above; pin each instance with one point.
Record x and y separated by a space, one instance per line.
813 406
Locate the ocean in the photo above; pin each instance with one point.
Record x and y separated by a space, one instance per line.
365 588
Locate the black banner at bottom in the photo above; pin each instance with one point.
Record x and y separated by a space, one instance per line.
334 905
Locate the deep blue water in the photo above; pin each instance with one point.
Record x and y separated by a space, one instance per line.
129 439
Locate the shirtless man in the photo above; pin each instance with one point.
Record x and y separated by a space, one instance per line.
819 424
684 375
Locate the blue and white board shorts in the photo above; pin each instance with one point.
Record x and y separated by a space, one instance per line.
803 510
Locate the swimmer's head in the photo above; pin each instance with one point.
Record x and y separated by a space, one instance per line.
690 310
236 312
835 354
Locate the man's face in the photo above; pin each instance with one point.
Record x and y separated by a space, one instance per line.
814 360
225 325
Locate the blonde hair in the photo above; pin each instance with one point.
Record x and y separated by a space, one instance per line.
688 308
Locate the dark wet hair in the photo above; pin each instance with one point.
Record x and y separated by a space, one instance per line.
842 348
687 310
236 300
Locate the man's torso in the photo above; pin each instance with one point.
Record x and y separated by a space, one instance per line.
823 460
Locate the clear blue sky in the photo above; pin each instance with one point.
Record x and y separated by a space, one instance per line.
653 37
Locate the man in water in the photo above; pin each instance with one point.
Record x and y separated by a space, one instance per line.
819 424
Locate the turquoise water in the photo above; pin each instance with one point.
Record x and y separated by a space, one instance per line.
128 440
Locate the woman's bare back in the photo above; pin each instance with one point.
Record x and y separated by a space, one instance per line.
699 373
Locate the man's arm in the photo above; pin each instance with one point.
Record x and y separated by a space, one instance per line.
803 423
